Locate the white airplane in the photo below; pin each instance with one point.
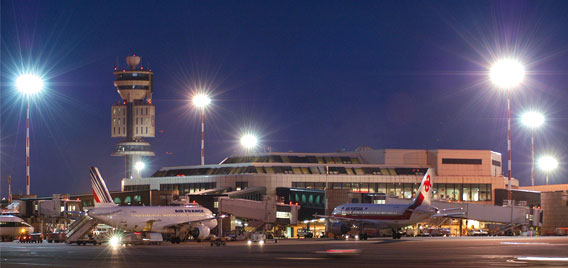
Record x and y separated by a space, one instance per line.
12 226
176 222
388 216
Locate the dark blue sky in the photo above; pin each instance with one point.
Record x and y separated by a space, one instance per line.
308 76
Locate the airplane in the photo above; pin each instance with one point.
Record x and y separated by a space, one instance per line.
388 216
176 222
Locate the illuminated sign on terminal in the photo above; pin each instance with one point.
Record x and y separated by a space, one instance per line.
283 215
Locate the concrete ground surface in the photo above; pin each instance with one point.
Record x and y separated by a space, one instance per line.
407 252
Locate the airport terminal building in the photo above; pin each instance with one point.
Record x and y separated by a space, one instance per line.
460 175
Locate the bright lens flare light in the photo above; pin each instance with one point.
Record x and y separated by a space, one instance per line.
547 163
139 166
114 241
507 73
201 100
532 119
29 84
249 141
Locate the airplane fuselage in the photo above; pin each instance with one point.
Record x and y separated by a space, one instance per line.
384 215
151 219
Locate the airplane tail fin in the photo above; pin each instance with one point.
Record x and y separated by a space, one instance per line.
424 195
100 191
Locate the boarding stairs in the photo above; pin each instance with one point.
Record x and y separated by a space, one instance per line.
80 228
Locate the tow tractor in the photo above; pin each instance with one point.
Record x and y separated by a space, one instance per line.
221 241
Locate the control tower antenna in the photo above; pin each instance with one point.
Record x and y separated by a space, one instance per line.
133 118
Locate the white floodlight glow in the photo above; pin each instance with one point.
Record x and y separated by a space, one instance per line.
507 73
139 166
114 241
29 84
201 100
548 163
532 119
249 141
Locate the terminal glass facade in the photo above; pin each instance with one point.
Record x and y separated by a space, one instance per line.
442 191
307 170
462 192
185 188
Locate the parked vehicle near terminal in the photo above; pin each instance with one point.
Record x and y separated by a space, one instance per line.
219 242
305 233
11 227
444 232
24 238
57 236
257 238
36 238
561 231
140 238
477 232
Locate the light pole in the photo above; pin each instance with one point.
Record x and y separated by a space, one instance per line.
548 164
201 101
532 120
506 74
28 84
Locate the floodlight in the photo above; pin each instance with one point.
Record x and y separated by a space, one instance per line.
507 73
201 100
532 119
249 141
29 84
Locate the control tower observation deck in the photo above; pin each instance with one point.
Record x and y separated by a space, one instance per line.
134 117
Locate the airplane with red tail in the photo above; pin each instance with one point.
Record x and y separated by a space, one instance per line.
388 216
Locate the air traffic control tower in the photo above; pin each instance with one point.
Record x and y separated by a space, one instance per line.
133 118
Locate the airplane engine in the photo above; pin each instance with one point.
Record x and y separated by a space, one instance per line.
200 232
338 228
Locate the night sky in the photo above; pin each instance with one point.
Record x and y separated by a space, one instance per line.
307 76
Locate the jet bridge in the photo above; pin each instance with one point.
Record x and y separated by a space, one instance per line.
260 213
491 213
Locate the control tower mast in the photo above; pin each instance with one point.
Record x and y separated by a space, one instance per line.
134 117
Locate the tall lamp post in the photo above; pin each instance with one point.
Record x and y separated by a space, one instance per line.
548 164
201 101
532 120
29 85
506 74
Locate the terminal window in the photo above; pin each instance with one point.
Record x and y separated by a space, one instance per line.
463 161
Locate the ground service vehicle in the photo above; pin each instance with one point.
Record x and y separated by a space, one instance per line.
218 242
36 238
257 238
477 232
305 233
56 236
